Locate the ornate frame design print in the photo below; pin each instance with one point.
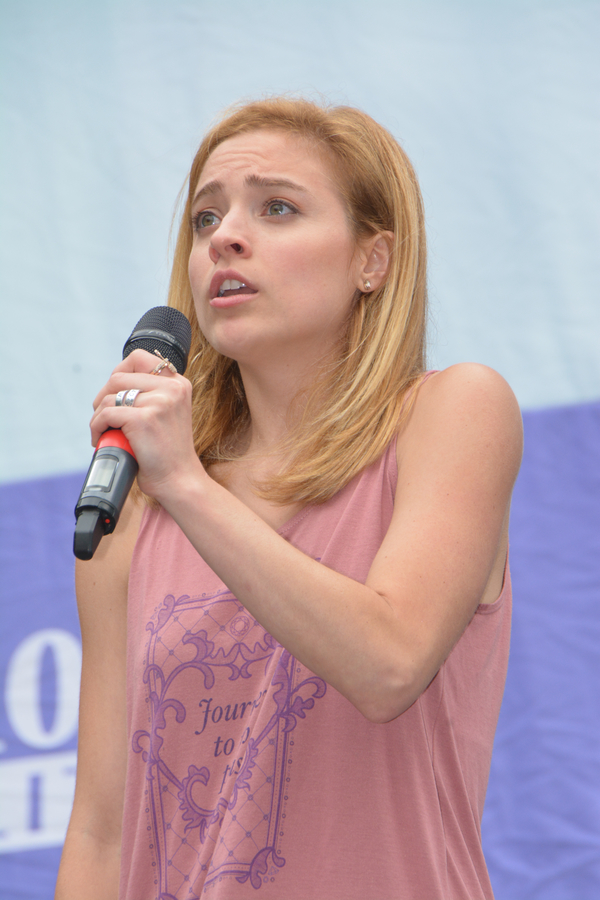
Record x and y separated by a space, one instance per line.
224 815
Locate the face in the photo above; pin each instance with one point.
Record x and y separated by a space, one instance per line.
274 267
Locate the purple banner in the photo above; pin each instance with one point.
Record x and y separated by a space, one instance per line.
542 818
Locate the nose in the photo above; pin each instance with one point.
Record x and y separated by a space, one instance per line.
229 239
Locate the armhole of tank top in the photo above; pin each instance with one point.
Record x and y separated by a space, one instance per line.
485 608
146 513
425 376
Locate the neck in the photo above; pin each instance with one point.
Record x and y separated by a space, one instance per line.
276 404
276 388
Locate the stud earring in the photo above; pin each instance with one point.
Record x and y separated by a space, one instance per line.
367 286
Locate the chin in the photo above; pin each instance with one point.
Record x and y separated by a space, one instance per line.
244 348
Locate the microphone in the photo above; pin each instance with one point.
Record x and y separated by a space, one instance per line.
114 466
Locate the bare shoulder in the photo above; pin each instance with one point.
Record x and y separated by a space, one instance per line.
468 406
472 387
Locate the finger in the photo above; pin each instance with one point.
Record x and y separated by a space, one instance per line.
111 417
137 391
119 397
143 361
124 381
138 361
164 366
128 397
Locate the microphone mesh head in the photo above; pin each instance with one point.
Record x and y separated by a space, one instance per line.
164 329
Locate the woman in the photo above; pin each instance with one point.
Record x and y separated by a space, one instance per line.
295 646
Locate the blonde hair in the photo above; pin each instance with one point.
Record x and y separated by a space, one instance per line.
356 404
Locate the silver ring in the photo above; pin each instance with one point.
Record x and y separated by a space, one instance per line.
119 398
130 397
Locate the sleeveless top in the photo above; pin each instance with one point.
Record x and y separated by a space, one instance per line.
250 777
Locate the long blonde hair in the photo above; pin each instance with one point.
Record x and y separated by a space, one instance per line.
356 404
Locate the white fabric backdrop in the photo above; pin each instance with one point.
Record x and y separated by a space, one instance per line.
103 104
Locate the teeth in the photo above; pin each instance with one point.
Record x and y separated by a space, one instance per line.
230 284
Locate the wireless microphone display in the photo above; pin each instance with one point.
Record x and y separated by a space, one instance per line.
114 466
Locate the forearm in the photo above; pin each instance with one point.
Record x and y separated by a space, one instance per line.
341 629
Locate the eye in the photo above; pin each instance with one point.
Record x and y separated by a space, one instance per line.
279 208
204 219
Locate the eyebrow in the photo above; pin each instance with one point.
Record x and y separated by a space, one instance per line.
213 187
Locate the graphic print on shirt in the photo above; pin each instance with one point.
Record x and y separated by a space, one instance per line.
223 700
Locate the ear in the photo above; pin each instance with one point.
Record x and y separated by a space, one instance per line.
376 255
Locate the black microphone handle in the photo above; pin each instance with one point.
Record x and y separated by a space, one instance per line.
104 492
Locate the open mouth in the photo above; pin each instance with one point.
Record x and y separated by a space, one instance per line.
231 287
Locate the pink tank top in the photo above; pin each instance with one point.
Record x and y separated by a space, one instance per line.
250 777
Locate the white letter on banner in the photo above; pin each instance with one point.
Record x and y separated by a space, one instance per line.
23 688
37 795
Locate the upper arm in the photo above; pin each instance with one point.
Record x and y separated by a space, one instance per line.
102 602
458 458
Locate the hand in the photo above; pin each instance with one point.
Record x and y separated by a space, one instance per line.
159 424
